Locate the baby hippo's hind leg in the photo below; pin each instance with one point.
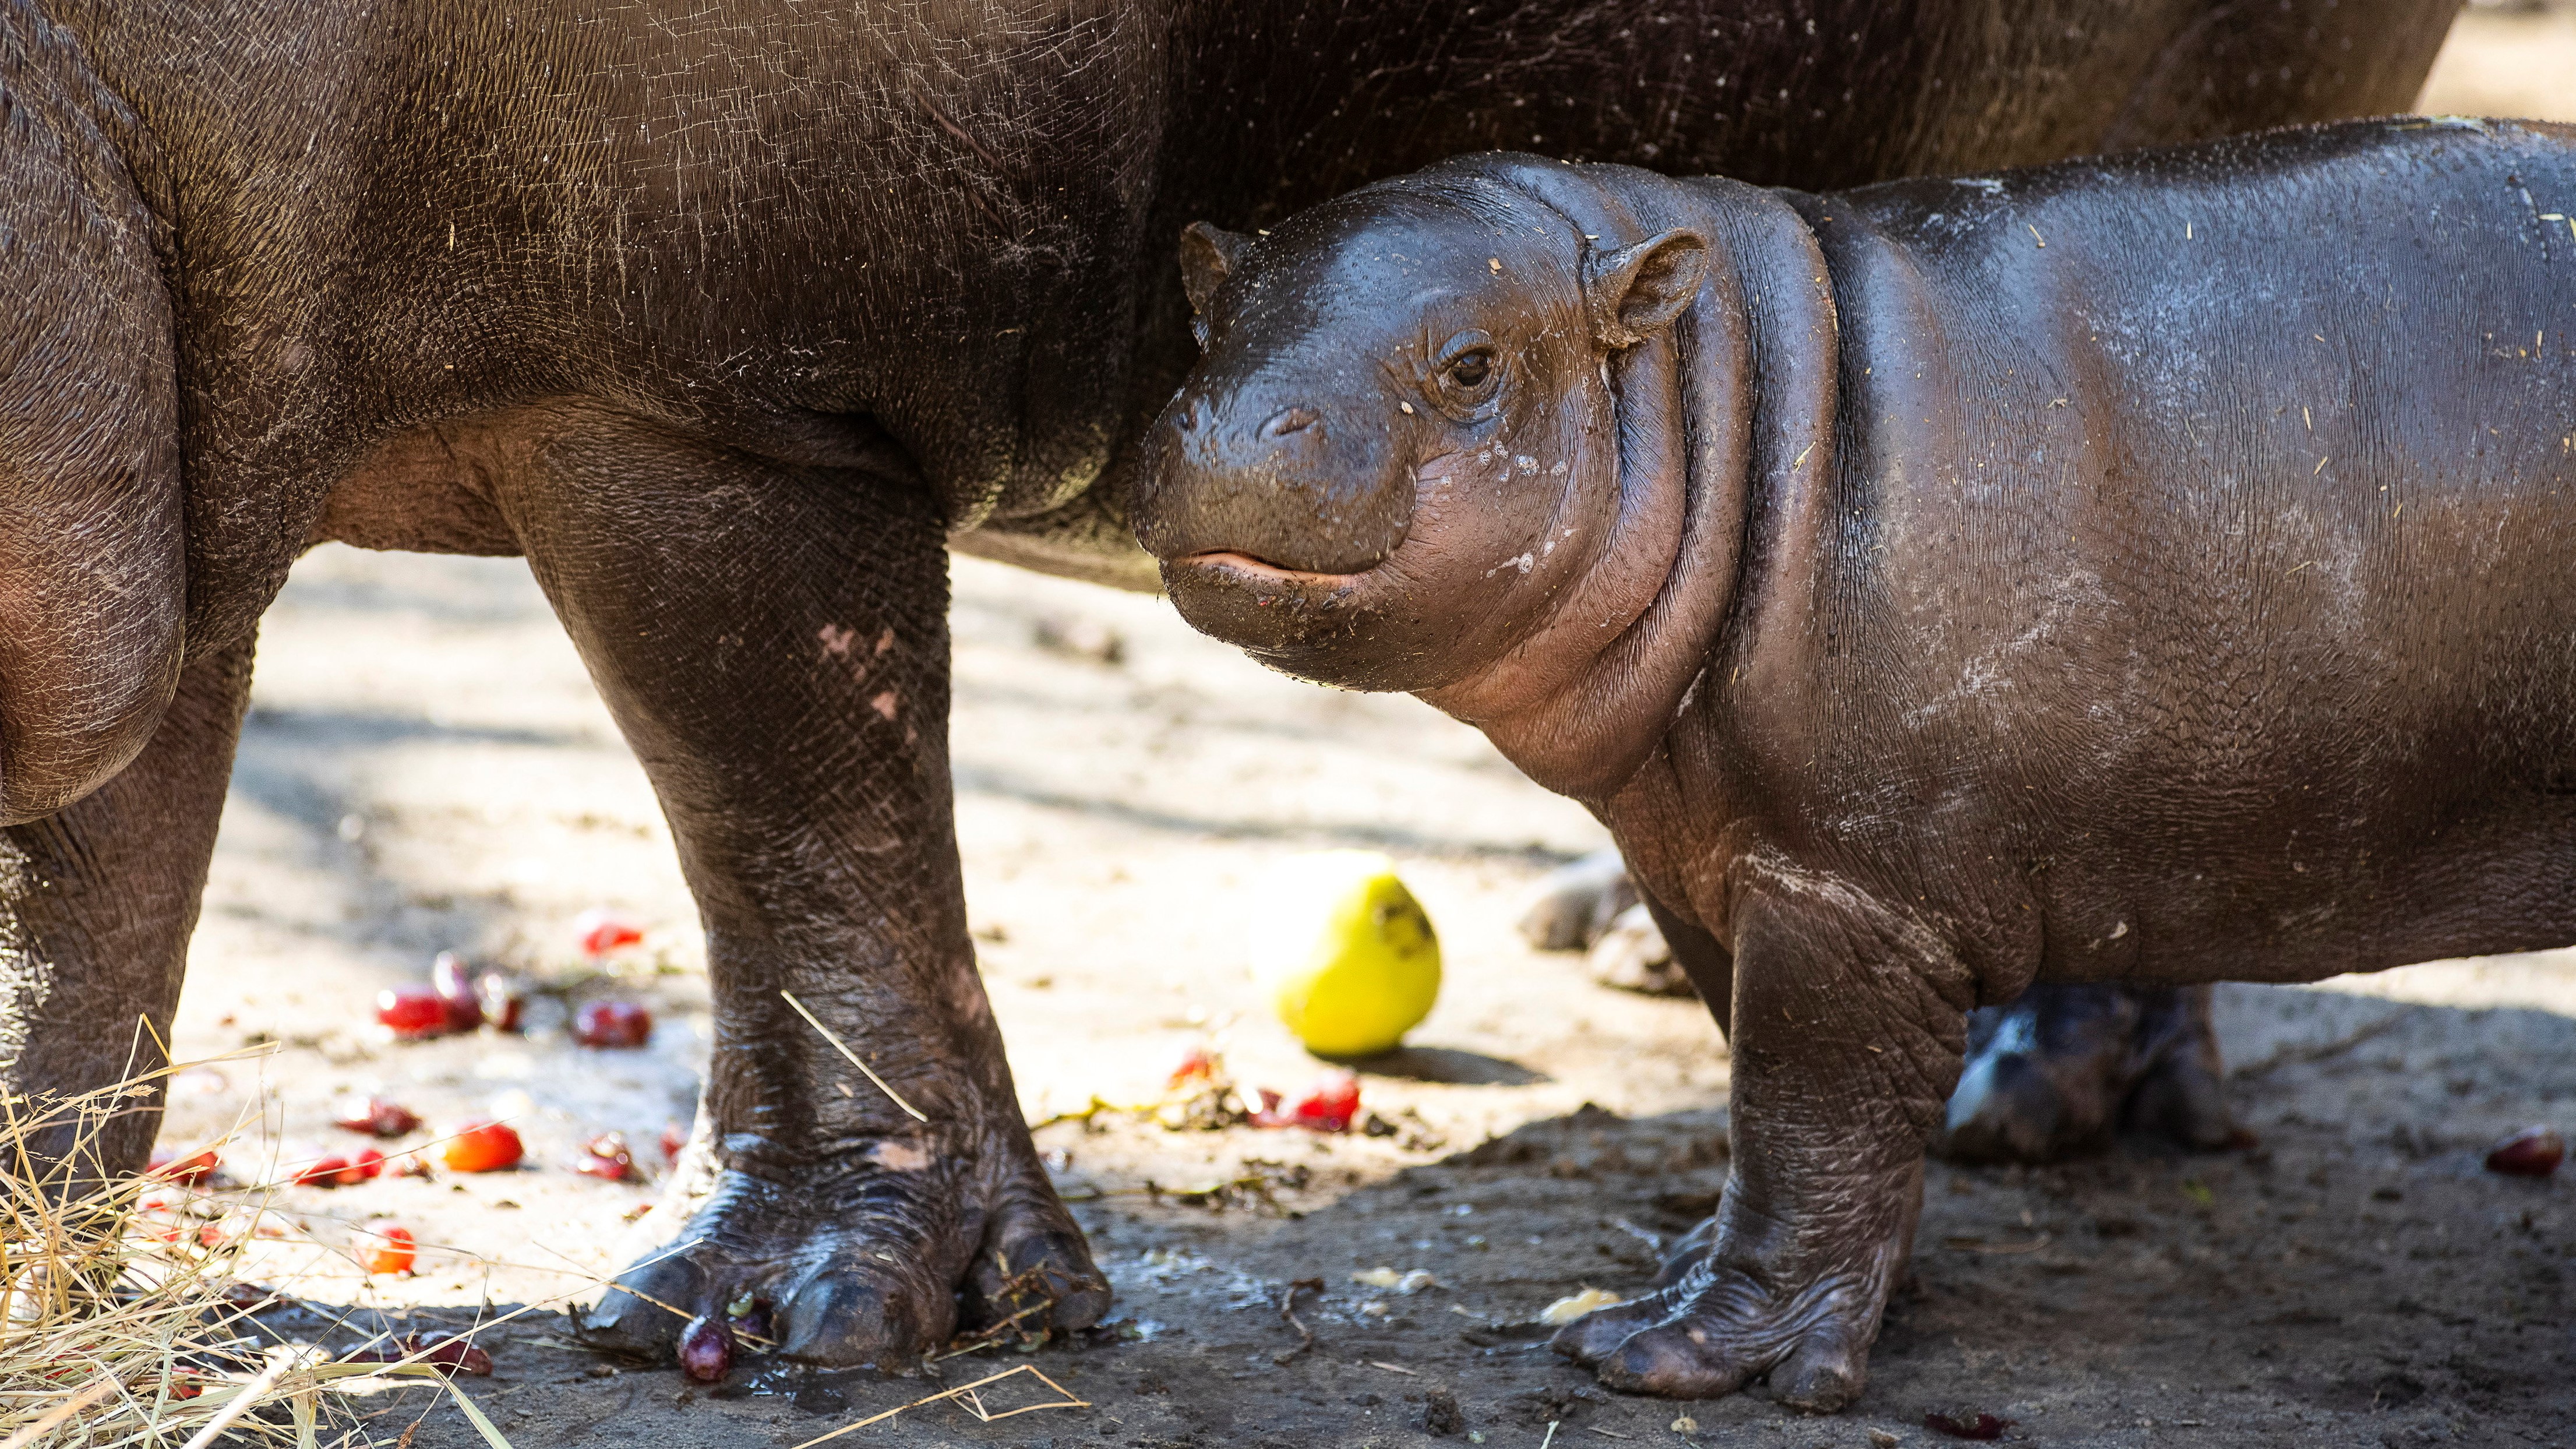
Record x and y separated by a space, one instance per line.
2063 1068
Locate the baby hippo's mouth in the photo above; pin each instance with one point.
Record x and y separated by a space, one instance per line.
1244 567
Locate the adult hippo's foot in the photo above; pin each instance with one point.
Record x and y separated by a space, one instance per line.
1844 1020
2053 1074
2063 1068
874 1260
772 640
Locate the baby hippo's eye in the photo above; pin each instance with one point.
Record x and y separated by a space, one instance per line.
1466 374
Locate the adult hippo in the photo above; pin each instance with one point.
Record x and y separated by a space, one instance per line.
730 318
2145 569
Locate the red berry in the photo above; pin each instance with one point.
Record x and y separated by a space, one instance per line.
2531 1152
188 1171
600 933
453 980
392 1252
673 1141
1331 1105
1197 1065
411 1012
374 1116
612 1024
484 1147
706 1348
498 993
328 1172
368 1163
607 1159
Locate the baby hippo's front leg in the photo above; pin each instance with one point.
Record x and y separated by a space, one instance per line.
1847 1036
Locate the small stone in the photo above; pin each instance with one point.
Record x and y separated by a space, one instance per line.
1881 1439
1685 1425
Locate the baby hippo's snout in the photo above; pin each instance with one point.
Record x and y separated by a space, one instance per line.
1272 480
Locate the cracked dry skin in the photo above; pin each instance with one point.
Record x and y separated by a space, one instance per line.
1937 588
728 325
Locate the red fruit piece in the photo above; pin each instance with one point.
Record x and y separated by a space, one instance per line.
607 1159
187 1171
450 1356
612 1024
368 1163
483 1147
374 1116
1197 1065
411 1012
600 933
328 1172
673 1140
393 1251
1983 1426
706 1348
453 980
2531 1152
1330 1106
498 994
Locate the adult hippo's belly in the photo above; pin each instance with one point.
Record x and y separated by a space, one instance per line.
730 319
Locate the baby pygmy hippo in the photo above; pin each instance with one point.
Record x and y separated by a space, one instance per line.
2159 569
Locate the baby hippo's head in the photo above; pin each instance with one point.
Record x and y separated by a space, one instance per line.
1398 453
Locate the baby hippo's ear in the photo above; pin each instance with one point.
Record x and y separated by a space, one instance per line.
1208 257
1637 291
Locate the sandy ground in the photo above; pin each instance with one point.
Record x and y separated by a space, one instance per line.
426 768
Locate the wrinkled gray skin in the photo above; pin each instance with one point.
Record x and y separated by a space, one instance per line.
2146 570
728 318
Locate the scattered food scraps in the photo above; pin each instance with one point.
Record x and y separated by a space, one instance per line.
411 1013
612 1023
706 1349
327 1172
2531 1152
497 994
188 1171
1589 1300
600 932
374 1116
450 1356
392 1251
453 980
1408 1283
483 1147
607 1158
1979 1426
674 1138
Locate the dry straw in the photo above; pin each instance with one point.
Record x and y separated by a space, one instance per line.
116 1327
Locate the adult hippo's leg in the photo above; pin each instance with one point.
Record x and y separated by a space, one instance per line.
96 905
1845 1025
2052 1074
773 642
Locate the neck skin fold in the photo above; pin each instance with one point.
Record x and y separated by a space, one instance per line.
1729 409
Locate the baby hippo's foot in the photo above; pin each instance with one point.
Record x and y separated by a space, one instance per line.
1711 1330
873 1258
2060 1070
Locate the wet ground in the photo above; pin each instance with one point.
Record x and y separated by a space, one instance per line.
426 768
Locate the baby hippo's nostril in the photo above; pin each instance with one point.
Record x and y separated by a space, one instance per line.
1290 421
1193 413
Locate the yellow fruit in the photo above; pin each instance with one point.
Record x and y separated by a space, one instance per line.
1349 959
